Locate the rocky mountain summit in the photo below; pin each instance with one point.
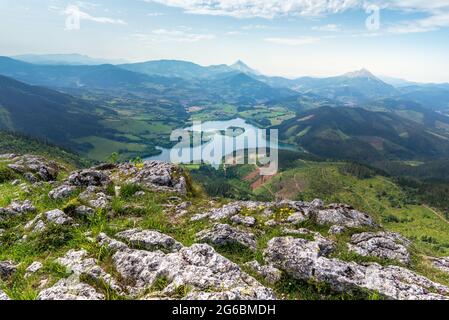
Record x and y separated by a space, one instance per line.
145 231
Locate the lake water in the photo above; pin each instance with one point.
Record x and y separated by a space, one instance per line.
240 137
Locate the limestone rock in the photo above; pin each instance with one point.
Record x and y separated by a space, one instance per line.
33 268
308 260
61 192
334 230
223 234
18 208
70 289
441 263
89 177
79 263
35 168
7 269
385 245
207 274
268 272
156 175
243 220
57 217
342 215
149 240
83 211
3 296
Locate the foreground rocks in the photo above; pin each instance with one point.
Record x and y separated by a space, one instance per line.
34 168
199 269
17 208
384 245
308 260
223 234
7 269
70 289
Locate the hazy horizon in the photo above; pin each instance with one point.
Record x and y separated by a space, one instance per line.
293 38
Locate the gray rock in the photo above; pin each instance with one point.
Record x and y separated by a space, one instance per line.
33 268
18 208
101 201
70 289
35 168
307 260
3 296
58 217
79 263
223 234
61 192
334 230
149 240
156 175
317 204
207 274
7 269
384 245
268 272
83 211
296 218
228 210
89 177
342 215
441 263
243 220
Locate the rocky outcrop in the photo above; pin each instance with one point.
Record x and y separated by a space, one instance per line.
224 234
156 175
57 217
61 192
89 178
78 263
441 263
268 272
243 220
33 268
70 289
308 260
342 215
7 269
34 168
149 240
17 208
384 245
198 268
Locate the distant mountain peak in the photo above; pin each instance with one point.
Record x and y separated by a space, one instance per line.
362 73
243 67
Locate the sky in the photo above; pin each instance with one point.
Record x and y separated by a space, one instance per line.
408 39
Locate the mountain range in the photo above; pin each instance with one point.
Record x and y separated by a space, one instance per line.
352 116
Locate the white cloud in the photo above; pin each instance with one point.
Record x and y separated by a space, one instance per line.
261 8
299 41
76 13
327 28
165 35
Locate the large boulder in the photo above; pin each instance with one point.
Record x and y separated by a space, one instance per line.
199 268
384 245
156 175
17 208
61 192
89 178
224 234
342 215
35 168
70 289
441 263
149 240
308 260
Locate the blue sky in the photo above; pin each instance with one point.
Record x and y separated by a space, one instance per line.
289 37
